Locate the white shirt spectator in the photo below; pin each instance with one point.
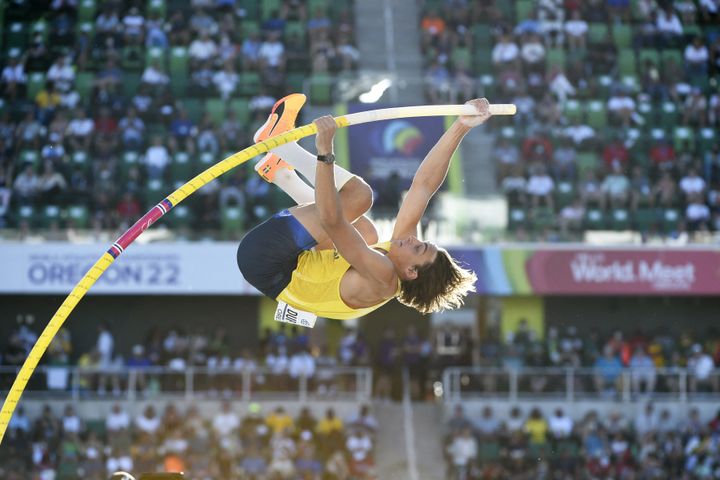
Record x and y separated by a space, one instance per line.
147 424
692 184
62 74
80 127
107 22
202 49
505 52
261 102
225 423
712 6
514 184
701 366
278 364
645 422
105 346
154 76
133 23
359 445
72 424
697 212
561 87
115 463
26 184
157 156
462 450
14 74
579 133
560 426
302 364
226 81
621 102
695 54
272 53
117 421
615 184
540 184
669 23
576 28
533 52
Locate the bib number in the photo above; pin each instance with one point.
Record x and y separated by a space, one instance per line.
287 314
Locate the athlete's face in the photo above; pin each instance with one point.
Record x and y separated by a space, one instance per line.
412 254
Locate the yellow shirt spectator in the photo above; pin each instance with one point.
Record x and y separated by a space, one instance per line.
45 99
279 421
536 427
329 424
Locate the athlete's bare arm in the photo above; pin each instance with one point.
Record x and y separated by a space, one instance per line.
433 170
369 263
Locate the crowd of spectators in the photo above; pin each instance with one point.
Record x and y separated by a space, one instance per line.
618 108
107 106
530 444
225 445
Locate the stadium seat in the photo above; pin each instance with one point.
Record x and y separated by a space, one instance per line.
682 134
194 108
321 89
671 57
241 107
555 57
482 36
51 214
619 219
461 57
86 11
267 7
29 156
572 110
564 194
179 70
295 28
597 33
128 161
216 107
27 214
181 167
17 36
645 219
523 8
131 82
487 86
622 35
231 221
155 54
516 218
157 6
35 83
96 425
315 4
251 8
543 218
248 27
649 54
706 139
669 220
626 62
669 115
179 217
594 219
154 192
295 81
596 114
78 215
84 85
249 84
482 61
489 451
80 160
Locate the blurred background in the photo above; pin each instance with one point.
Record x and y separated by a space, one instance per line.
590 350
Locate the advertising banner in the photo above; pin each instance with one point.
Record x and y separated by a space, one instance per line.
380 149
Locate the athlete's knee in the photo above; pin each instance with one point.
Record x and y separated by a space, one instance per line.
367 229
359 193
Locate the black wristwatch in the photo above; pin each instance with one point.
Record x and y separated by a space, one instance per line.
329 158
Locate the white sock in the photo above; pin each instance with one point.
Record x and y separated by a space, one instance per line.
290 183
305 163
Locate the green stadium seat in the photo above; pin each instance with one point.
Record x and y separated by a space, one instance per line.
487 86
35 83
482 61
604 82
669 115
645 219
249 84
564 194
321 89
205 161
295 29
572 110
587 161
86 11
17 35
84 85
81 160
671 57
295 81
489 451
157 6
523 8
555 57
154 192
216 107
543 218
51 214
315 4
179 62
179 217
619 219
250 7
194 108
670 219
649 54
482 36
241 107
248 27
231 221
127 162
706 139
96 425
29 156
681 135
267 7
626 62
622 35
132 58
41 27
517 218
181 167
594 219
462 57
596 114
155 54
597 33
78 215
26 213
131 82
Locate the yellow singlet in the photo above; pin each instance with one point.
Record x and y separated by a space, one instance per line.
315 285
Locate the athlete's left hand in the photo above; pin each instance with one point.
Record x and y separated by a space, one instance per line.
483 108
325 132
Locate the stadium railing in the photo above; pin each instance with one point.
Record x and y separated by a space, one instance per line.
577 384
192 383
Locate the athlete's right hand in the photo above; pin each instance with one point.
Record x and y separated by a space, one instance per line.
325 132
483 108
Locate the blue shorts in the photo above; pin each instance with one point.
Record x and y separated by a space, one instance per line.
268 253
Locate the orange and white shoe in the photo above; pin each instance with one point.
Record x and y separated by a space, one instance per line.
282 119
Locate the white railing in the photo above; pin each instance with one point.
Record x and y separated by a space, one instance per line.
577 384
191 383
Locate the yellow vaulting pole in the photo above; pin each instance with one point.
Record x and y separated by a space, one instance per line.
178 196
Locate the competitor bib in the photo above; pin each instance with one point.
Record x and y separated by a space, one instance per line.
287 314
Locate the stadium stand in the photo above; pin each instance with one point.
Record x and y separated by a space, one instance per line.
617 105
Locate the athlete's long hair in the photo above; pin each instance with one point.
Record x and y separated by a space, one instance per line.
440 285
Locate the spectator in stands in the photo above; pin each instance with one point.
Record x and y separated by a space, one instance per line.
202 49
80 131
433 28
692 184
701 369
13 80
51 185
132 130
46 102
532 54
279 421
463 452
540 187
71 422
536 428
118 459
154 77
117 420
608 370
156 159
505 53
621 107
615 187
696 57
26 186
133 24
29 132
576 31
226 81
359 446
695 111
643 372
697 214
271 60
560 425
283 450
148 421
437 82
487 426
646 422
